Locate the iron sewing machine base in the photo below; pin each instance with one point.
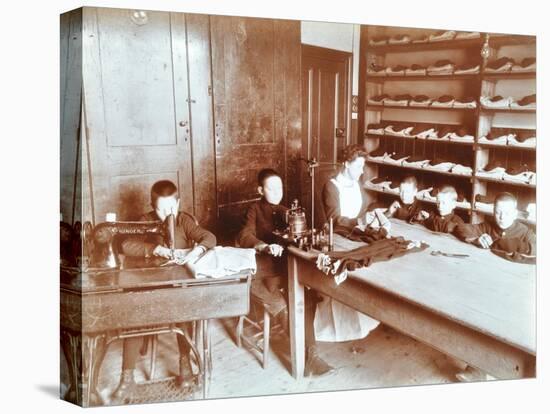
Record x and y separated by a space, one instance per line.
105 303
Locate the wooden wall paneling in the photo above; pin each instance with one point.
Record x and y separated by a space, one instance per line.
288 52
70 108
135 88
201 118
249 109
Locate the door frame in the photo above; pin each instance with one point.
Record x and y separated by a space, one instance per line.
337 56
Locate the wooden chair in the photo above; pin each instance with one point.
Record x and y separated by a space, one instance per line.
259 319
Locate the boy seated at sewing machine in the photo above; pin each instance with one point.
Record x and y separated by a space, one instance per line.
443 220
190 242
262 219
407 207
503 234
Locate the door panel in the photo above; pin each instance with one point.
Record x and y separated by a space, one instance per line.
138 89
325 107
137 109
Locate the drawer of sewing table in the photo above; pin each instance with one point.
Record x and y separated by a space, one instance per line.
134 309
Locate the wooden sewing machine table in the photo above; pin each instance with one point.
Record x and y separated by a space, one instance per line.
98 307
480 309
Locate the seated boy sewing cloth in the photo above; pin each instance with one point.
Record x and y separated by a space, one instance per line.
409 208
443 220
503 235
262 219
188 235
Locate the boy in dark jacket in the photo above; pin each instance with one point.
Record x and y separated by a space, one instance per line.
409 207
443 220
188 235
503 234
262 218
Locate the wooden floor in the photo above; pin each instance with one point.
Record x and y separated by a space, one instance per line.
384 358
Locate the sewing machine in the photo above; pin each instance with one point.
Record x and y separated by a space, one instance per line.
298 234
105 249
102 302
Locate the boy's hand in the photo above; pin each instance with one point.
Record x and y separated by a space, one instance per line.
162 251
485 241
393 207
422 215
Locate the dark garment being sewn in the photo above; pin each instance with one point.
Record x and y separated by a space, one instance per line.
377 251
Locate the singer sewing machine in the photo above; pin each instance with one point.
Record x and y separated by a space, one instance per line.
105 252
104 300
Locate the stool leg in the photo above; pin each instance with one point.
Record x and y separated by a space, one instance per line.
154 340
267 322
240 327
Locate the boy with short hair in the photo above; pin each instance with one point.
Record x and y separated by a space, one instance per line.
443 220
188 235
503 233
262 218
409 207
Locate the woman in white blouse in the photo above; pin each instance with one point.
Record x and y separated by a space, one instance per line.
344 200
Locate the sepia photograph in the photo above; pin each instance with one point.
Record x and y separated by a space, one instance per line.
254 206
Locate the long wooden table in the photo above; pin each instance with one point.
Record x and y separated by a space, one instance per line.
480 309
98 307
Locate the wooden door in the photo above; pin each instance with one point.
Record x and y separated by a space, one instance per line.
256 81
136 101
326 115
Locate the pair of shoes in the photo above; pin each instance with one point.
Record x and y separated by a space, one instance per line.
124 390
315 366
185 378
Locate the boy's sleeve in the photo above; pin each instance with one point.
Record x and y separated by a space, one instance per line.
525 244
470 232
429 222
247 236
138 246
331 204
196 233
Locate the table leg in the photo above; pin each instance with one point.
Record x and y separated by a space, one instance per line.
94 348
207 357
296 319
70 344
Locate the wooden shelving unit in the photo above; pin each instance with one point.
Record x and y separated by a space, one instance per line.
478 120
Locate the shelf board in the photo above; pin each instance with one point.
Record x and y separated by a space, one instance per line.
425 78
509 110
496 180
508 75
420 139
416 108
376 190
419 169
421 47
515 147
496 40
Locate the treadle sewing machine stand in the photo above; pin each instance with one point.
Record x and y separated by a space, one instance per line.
100 305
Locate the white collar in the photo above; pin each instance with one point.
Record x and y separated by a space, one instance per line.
345 181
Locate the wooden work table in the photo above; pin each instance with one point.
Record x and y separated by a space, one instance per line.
100 306
480 309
